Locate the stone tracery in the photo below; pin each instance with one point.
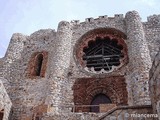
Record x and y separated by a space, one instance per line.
102 50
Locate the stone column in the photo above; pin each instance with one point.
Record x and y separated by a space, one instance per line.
139 58
59 70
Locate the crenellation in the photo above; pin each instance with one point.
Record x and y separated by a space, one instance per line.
75 22
153 19
61 74
103 17
88 20
118 16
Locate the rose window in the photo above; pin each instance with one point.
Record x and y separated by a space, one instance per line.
102 54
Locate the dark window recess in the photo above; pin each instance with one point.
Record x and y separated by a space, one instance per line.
103 54
1 114
38 67
97 100
37 118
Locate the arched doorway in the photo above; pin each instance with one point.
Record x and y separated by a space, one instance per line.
97 100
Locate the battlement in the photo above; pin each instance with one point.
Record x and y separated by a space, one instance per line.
100 18
153 19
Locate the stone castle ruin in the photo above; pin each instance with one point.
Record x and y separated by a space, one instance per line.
106 68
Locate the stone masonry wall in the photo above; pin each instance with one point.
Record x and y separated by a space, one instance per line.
136 71
24 92
59 89
54 88
152 34
5 102
79 29
1 67
138 64
155 84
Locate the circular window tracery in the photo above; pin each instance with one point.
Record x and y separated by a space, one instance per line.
102 54
102 50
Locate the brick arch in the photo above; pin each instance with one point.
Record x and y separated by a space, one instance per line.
85 89
90 36
97 91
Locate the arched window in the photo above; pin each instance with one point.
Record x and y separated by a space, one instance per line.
38 64
97 100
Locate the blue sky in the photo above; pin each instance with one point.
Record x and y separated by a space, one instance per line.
28 16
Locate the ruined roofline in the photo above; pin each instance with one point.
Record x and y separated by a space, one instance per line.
103 18
150 19
153 20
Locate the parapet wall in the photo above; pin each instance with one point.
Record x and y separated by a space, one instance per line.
100 18
101 22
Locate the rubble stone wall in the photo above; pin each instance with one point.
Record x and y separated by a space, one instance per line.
26 93
155 84
55 86
152 30
5 102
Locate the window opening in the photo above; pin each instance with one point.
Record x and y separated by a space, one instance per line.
1 114
103 53
38 66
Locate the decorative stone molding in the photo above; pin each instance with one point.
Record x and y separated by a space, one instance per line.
112 35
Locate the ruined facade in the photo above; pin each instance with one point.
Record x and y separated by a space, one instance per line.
97 69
